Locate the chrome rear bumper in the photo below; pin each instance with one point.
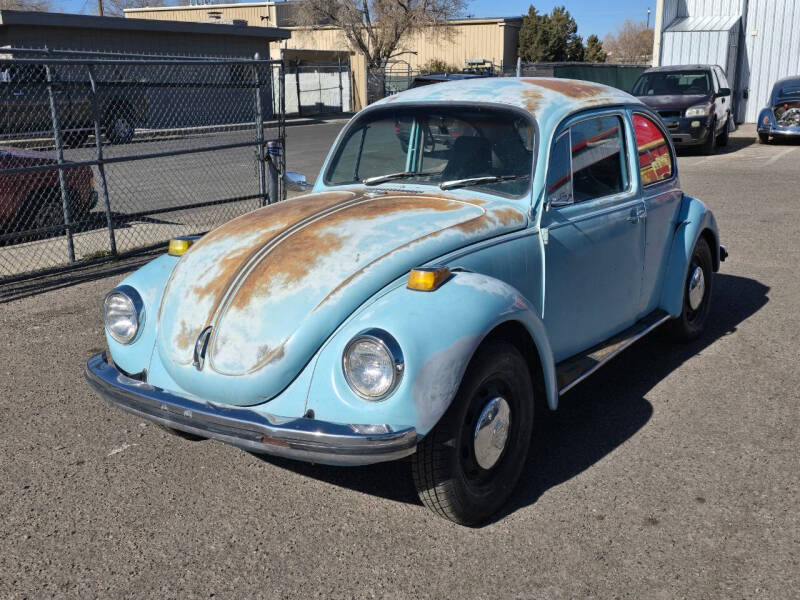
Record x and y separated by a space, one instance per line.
302 439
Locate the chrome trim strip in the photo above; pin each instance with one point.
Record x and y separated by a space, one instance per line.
626 201
627 344
303 439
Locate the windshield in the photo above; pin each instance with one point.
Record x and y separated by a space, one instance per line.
491 148
670 83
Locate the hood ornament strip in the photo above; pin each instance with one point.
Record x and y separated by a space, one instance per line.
200 348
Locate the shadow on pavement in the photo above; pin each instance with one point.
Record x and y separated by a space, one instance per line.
593 419
735 143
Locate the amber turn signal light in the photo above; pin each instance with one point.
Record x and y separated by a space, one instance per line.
179 246
427 279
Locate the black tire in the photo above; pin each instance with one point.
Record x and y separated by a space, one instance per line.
724 137
445 468
763 138
120 129
690 324
710 145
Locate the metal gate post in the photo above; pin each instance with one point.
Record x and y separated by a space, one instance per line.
282 127
297 83
62 180
262 177
100 166
341 89
274 153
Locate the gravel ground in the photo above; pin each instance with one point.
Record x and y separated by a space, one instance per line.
671 473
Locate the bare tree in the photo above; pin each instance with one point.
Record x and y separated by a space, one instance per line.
37 5
632 42
116 8
375 28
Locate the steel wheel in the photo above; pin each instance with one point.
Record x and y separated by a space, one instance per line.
467 466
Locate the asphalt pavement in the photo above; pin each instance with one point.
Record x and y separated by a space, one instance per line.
674 472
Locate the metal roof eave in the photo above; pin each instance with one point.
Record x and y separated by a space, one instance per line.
41 19
712 23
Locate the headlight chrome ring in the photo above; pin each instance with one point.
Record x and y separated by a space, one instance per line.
373 364
123 314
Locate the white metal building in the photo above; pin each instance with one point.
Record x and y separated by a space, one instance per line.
757 42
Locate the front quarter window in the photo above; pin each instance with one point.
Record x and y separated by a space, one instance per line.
436 146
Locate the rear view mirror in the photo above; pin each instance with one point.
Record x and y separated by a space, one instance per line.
296 182
724 92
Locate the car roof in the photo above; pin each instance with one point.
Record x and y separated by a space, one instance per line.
669 68
795 79
540 96
448 76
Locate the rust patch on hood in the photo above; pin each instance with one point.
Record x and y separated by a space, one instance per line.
290 263
567 87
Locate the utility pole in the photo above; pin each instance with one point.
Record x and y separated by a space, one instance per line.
100 7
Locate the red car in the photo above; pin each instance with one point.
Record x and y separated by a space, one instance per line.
32 199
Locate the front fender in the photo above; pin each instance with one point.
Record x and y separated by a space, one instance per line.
693 220
149 281
766 112
438 333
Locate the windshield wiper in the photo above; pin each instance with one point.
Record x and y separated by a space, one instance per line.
456 183
392 176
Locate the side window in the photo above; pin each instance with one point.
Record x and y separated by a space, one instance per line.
723 81
655 160
599 167
559 175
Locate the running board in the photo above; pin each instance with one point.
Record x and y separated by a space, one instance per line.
572 371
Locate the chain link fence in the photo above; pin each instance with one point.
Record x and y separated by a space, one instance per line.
313 90
108 155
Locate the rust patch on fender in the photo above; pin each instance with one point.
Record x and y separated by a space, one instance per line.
568 87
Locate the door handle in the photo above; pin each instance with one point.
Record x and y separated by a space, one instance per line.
637 214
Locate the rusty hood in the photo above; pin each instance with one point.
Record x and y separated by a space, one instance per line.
274 284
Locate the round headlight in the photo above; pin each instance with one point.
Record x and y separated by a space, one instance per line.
373 364
122 313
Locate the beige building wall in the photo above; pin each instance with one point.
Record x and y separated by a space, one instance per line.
494 40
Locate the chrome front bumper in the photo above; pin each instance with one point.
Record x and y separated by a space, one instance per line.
302 439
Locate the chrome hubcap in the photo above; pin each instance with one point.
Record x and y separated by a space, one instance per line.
697 288
491 432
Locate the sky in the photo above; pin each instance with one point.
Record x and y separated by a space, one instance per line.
593 16
597 17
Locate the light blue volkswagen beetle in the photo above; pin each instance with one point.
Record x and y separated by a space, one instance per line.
467 248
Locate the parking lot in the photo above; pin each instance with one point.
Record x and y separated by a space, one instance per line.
674 472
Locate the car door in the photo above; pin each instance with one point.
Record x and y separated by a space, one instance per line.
724 103
594 228
662 199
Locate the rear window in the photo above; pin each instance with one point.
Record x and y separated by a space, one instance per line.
655 160
792 91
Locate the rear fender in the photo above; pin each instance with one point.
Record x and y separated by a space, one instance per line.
693 220
438 333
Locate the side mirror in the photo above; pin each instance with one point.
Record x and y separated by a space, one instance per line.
724 92
296 181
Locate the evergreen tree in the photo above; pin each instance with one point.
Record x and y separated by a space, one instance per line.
594 50
550 38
